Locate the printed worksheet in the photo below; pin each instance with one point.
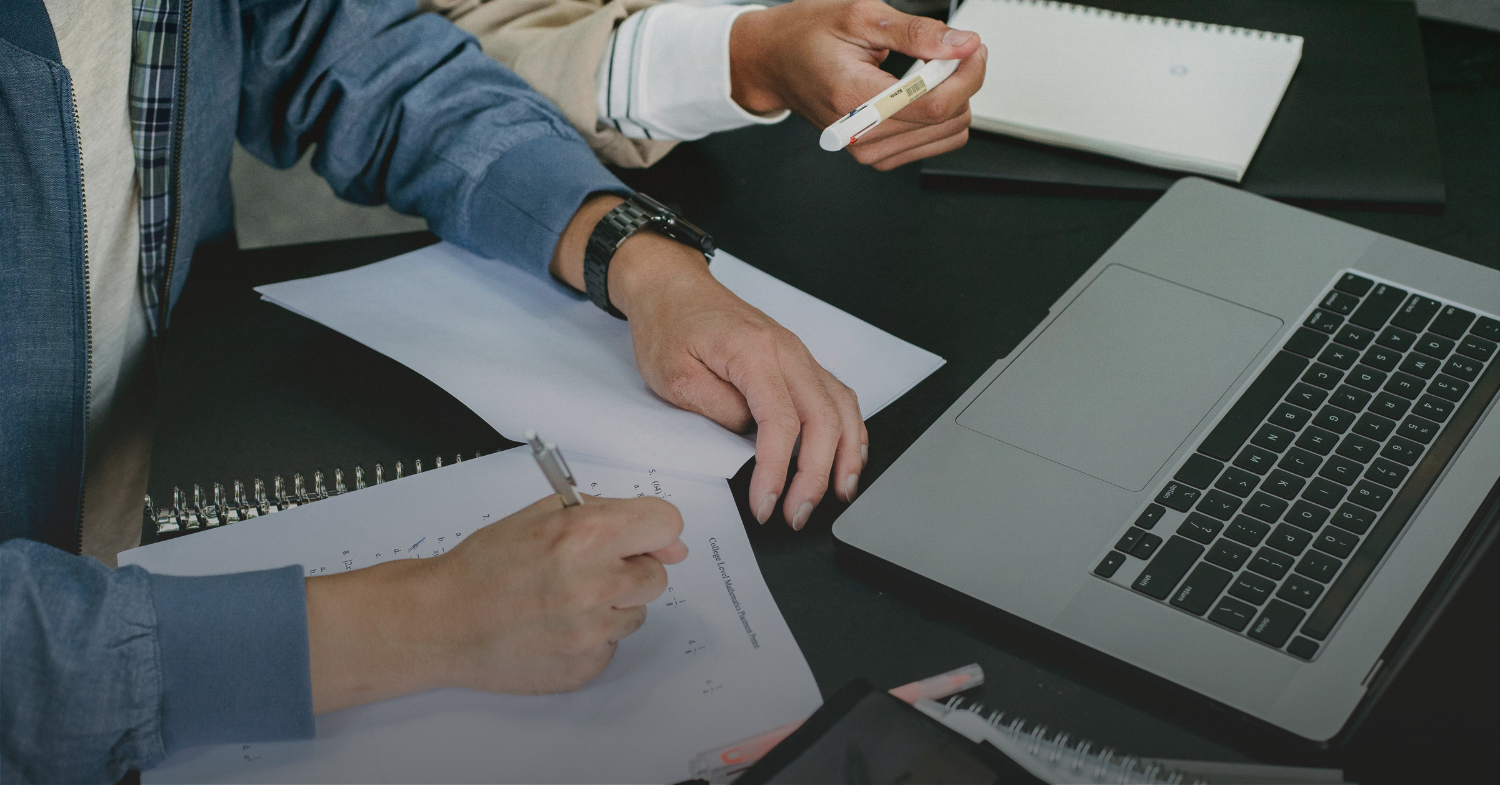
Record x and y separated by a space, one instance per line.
714 662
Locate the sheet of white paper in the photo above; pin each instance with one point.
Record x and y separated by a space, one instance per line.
524 352
714 662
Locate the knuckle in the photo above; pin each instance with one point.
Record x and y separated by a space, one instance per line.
860 13
921 28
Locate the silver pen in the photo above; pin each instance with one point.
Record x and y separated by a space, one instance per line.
550 459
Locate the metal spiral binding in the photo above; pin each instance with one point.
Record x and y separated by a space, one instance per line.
184 517
1157 20
1079 755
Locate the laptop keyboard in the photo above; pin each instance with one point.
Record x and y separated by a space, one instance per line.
1286 508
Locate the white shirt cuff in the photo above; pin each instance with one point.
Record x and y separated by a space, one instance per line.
665 74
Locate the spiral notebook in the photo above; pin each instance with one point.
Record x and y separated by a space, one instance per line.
1168 93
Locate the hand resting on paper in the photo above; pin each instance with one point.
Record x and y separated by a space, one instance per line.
533 603
704 349
821 59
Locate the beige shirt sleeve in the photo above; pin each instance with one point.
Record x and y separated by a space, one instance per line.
556 45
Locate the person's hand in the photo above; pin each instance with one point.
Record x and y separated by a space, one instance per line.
821 58
704 349
533 603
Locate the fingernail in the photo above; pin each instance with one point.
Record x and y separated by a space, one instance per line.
984 53
850 485
864 453
957 37
767 506
800 519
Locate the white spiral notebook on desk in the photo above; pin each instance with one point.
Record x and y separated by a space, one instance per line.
1169 93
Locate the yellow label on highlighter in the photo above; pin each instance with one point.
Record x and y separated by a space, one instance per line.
897 100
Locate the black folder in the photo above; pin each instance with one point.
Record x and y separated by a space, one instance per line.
1354 129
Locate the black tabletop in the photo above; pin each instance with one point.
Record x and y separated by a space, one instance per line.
248 389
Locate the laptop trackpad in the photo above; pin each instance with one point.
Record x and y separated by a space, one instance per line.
1116 383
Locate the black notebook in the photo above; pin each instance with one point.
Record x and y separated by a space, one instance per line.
1354 129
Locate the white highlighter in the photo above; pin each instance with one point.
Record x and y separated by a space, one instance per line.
849 128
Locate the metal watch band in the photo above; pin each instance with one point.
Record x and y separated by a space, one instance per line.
618 225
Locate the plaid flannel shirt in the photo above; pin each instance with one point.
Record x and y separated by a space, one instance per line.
153 82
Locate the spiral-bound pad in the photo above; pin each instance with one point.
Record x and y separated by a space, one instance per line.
1169 93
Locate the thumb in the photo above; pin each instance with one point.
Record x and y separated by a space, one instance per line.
921 37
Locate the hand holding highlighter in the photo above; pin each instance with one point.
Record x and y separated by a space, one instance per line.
848 129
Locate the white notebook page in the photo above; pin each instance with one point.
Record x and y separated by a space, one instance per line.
1162 92
714 662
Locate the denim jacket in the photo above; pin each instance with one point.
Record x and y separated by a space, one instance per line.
101 670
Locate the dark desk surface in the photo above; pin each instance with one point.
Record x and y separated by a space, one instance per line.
249 389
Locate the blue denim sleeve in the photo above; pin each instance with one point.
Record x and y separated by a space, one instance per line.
405 108
103 671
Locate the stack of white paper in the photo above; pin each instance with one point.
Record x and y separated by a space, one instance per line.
713 663
528 353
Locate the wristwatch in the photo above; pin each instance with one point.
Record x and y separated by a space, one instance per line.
637 212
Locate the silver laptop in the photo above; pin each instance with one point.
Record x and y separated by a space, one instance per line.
1234 455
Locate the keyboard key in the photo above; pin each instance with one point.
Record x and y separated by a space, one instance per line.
1237 481
1265 507
1387 473
1358 447
1476 347
1324 376
1218 504
1434 345
1448 387
1300 462
1300 591
1354 337
1339 302
1146 547
1290 417
1354 518
1383 301
1404 385
1487 328
1351 398
1289 539
1255 459
1201 588
1277 623
1326 492
1198 470
1317 440
1397 338
1130 538
1416 312
1333 418
1150 516
1306 396
1391 406
1247 530
1466 368
1273 437
1373 426
1307 515
1336 541
1302 648
1229 555
1306 342
1271 563
1178 496
1110 565
1381 358
1319 566
1247 413
1323 321
1451 322
1200 527
1353 284
1283 484
1402 450
1420 365
1341 470
1433 408
1340 357
1252 588
1366 378
1368 494
1418 429
1233 614
1166 569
